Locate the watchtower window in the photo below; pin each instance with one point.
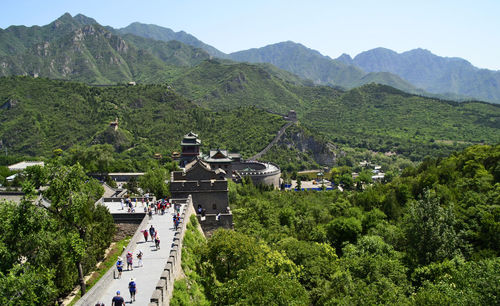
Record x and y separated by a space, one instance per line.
214 206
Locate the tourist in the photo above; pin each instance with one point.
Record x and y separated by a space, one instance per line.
145 233
157 241
117 300
130 261
121 202
152 231
177 220
132 288
150 213
119 266
139 257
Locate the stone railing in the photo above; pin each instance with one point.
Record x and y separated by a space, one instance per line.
172 269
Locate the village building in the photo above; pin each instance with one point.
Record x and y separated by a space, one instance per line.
21 166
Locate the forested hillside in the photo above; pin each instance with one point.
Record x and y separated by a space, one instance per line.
374 117
380 118
431 237
40 115
78 48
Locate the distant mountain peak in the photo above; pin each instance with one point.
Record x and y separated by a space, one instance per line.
84 20
345 58
156 32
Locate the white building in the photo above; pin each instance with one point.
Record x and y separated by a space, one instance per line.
25 164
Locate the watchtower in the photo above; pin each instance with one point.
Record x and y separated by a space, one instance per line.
190 148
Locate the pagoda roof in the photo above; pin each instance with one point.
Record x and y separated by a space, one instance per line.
219 156
197 142
191 135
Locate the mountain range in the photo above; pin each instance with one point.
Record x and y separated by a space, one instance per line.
78 48
417 71
375 117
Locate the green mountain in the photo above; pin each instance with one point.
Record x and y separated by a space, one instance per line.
165 34
375 117
433 73
223 85
39 115
80 49
381 118
310 64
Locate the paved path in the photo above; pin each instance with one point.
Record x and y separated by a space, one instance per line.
146 277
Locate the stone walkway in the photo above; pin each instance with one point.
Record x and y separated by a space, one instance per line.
146 277
273 142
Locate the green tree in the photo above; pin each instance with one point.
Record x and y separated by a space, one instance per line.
230 251
253 286
343 229
153 181
430 230
25 284
37 175
73 198
374 274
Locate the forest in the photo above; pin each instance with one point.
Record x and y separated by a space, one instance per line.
45 250
429 237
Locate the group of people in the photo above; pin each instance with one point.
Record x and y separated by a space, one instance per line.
132 286
131 205
130 262
154 236
159 206
118 300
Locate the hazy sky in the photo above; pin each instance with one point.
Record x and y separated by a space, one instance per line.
458 28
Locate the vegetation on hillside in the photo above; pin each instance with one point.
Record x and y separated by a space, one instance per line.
428 237
380 118
46 250
40 115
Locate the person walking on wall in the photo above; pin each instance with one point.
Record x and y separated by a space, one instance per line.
152 232
132 288
139 257
117 300
130 261
119 266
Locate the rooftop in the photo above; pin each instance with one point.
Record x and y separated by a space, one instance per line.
25 164
218 156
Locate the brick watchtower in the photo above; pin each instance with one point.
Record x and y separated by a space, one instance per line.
190 148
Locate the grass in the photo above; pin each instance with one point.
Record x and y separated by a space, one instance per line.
108 263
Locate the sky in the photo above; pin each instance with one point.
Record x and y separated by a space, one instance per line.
459 28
